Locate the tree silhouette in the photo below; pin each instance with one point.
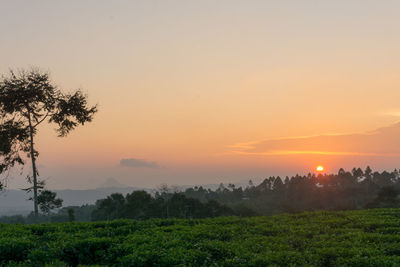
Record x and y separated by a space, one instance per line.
48 201
71 215
27 99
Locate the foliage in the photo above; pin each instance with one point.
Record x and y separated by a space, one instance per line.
32 94
341 191
48 201
387 197
336 238
141 205
71 215
27 99
13 138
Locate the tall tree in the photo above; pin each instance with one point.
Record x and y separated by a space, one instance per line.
27 99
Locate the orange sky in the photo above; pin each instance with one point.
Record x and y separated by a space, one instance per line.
213 91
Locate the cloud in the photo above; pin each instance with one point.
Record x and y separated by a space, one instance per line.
381 142
139 163
391 113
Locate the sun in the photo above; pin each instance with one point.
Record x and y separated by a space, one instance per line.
320 168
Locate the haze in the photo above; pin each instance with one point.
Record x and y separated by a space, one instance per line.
201 92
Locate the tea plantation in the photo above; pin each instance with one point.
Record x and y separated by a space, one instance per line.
344 238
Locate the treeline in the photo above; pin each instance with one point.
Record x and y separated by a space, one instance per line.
138 205
345 190
141 205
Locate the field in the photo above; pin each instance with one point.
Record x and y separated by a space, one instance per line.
343 238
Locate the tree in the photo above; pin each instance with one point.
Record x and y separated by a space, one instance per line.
27 99
278 185
109 208
368 172
386 198
47 201
137 204
71 215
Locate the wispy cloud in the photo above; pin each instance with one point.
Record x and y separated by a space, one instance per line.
381 142
139 163
391 113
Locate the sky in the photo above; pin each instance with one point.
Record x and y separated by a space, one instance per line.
203 92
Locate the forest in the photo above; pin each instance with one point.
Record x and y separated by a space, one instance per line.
358 189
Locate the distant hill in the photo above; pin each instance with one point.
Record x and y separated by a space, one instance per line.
112 183
14 202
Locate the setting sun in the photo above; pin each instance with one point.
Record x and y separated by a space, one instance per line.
319 168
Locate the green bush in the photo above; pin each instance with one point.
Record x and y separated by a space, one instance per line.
14 249
345 238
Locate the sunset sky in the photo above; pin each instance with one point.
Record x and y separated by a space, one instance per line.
201 92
